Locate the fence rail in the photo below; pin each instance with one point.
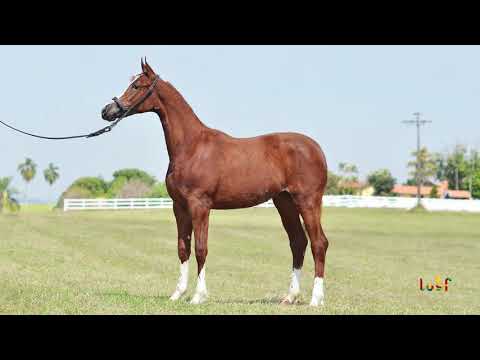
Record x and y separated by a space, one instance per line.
328 201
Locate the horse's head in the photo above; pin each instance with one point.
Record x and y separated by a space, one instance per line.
138 98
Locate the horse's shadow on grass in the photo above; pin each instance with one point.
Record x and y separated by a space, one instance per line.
127 295
263 301
165 299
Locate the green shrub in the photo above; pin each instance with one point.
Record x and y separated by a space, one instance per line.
333 187
94 185
131 174
116 186
382 181
159 191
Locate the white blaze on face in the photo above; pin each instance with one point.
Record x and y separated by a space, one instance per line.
201 290
317 293
182 282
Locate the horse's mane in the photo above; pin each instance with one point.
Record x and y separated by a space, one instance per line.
174 95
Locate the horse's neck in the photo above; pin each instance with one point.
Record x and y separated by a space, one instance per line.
180 124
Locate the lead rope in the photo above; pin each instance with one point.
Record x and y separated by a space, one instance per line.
96 133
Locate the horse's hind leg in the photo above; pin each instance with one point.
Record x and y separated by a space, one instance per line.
310 209
298 241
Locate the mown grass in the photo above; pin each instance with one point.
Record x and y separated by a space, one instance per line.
125 262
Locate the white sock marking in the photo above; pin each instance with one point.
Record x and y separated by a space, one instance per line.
317 293
201 290
182 281
294 289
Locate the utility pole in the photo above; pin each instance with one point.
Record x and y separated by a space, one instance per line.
418 122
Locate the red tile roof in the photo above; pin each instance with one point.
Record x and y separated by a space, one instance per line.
442 190
411 190
459 194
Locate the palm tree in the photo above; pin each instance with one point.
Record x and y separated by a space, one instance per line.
28 170
7 201
51 174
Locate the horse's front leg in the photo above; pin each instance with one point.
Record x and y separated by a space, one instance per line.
200 215
184 229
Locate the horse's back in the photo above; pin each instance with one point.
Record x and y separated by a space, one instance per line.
298 158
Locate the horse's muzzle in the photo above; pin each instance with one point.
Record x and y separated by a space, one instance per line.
111 112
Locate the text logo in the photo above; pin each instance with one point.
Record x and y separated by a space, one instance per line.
438 284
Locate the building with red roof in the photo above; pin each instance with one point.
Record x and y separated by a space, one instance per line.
442 191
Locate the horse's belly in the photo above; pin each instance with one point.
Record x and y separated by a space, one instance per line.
238 203
245 194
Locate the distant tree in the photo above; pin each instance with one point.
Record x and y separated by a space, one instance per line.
349 171
51 174
333 181
382 182
440 166
454 167
348 177
116 186
131 174
159 191
96 186
134 189
28 170
7 193
426 166
413 182
472 170
476 185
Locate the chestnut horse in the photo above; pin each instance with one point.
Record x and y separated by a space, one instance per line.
211 170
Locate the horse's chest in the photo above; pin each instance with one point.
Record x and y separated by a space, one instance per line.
179 184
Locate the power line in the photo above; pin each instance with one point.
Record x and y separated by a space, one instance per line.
418 122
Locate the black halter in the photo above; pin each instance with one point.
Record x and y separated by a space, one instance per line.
125 112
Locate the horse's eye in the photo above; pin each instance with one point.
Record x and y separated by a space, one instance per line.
135 86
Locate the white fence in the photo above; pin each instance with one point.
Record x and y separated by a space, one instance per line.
328 201
115 204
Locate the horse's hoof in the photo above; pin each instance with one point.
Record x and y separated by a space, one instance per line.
316 302
176 295
198 298
289 300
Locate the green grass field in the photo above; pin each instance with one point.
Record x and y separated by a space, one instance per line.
125 262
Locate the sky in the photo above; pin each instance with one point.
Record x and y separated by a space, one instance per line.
350 99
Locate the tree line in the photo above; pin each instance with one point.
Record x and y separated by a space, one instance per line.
28 170
460 167
126 183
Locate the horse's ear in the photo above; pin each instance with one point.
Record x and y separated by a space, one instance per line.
147 69
143 66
